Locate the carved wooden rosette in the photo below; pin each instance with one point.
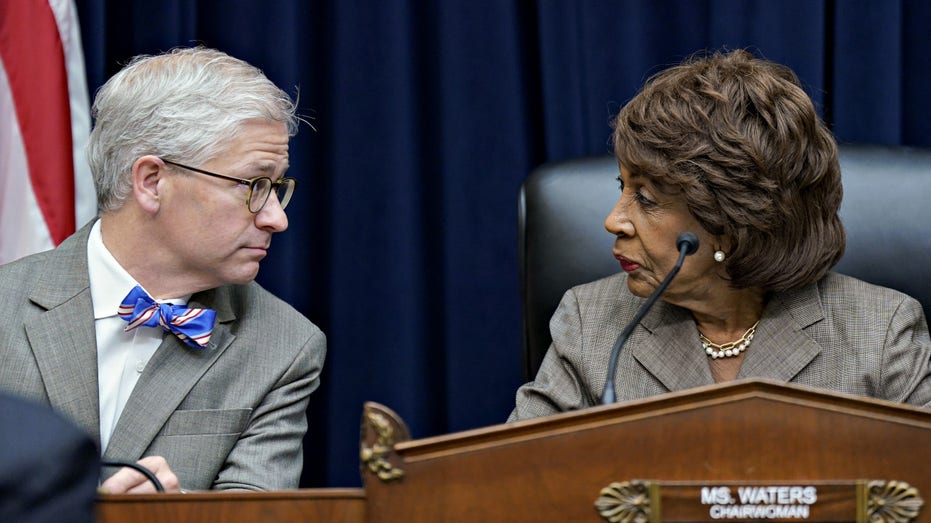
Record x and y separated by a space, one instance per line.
890 502
627 502
381 429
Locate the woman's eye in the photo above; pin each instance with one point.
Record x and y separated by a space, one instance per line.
641 198
644 200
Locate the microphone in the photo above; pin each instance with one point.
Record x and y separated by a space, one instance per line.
138 468
687 243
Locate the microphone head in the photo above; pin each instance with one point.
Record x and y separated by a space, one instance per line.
688 241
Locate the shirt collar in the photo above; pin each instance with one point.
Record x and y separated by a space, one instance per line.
109 281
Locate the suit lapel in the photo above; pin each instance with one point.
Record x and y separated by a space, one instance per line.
781 348
63 339
168 377
667 345
668 348
64 343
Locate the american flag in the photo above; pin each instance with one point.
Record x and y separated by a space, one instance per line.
46 189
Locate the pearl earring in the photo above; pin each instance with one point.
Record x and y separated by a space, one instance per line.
719 256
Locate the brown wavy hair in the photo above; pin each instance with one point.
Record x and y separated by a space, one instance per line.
741 140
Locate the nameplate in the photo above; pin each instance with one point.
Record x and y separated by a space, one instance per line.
878 501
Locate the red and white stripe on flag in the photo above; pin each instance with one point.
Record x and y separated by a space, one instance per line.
46 187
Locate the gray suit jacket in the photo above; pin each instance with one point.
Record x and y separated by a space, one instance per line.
840 334
228 416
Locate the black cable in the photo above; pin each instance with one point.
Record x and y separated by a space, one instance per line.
687 243
138 468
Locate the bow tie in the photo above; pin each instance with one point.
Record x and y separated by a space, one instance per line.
193 326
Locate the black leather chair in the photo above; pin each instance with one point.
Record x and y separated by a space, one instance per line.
562 241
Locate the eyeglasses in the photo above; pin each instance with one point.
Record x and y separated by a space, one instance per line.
259 188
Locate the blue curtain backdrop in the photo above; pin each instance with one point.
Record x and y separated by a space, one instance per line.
428 115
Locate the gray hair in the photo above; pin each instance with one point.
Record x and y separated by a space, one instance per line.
180 105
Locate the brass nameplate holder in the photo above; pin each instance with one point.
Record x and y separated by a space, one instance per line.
863 501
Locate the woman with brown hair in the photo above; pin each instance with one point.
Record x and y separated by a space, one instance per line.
729 147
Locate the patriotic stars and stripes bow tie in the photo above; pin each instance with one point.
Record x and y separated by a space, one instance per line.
193 326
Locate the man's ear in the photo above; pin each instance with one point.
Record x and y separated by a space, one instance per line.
148 171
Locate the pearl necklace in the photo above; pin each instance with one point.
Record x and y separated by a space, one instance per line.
727 350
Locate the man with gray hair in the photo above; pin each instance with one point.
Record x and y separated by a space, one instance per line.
145 327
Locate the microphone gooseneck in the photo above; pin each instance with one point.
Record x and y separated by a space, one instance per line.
687 243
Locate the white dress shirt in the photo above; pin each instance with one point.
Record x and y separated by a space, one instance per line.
121 356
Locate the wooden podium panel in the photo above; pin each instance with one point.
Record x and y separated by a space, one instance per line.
755 433
308 505
752 450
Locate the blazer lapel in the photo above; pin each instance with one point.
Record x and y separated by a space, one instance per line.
781 348
668 348
63 339
169 375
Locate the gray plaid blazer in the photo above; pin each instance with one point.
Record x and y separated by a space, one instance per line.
228 416
840 334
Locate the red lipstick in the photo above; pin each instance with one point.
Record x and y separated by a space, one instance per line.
627 265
